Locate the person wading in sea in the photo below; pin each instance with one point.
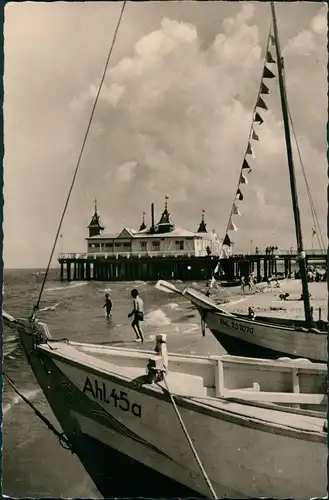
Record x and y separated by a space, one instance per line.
108 305
242 283
138 314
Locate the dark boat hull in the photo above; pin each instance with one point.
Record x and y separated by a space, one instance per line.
240 347
121 476
259 337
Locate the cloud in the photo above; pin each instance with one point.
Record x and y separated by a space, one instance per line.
126 172
319 22
308 41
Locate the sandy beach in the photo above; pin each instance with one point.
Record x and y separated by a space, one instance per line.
266 300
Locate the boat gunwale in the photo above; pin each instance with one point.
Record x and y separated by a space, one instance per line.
186 402
283 365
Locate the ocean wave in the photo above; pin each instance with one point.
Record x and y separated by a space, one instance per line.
49 308
157 318
66 287
138 283
30 395
173 305
190 328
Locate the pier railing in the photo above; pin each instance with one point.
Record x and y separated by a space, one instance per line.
282 252
106 255
181 253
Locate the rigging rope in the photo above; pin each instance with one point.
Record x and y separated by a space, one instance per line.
313 211
189 440
36 307
61 436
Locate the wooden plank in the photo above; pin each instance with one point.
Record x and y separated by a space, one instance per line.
275 397
302 364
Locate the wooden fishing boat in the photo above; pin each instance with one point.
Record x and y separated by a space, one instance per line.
109 401
264 337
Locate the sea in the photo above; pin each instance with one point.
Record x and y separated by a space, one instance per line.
34 463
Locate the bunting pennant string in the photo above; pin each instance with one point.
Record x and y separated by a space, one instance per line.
253 136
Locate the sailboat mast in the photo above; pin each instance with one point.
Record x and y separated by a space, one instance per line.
294 196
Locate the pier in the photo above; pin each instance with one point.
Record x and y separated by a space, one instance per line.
264 265
151 266
128 267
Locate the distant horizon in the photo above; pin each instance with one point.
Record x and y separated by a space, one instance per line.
29 268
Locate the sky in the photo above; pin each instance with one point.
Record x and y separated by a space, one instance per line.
173 119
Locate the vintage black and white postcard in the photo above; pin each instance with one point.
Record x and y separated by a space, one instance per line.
165 302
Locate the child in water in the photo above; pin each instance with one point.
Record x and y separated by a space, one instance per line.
108 305
138 313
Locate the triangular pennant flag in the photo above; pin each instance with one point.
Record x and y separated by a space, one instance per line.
232 226
269 58
258 118
264 89
272 39
261 103
250 151
239 195
235 210
254 136
246 165
227 241
268 73
243 180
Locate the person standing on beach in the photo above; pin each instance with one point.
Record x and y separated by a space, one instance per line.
138 314
108 305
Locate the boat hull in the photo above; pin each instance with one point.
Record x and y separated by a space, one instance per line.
258 338
244 456
241 337
116 474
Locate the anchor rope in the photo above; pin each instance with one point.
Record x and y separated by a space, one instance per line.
189 440
64 442
36 307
